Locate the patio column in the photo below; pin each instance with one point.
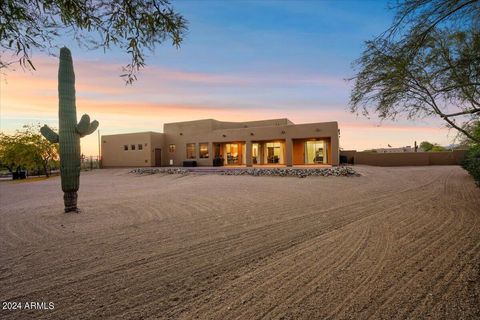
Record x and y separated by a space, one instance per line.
248 153
289 152
261 150
211 154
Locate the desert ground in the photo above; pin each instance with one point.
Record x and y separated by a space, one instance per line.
394 243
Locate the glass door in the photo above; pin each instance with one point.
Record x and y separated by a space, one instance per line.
315 152
232 152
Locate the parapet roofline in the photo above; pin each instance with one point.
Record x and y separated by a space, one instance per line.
130 133
230 122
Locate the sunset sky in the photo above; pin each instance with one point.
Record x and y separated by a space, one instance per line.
241 60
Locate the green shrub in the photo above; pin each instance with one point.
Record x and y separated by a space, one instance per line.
471 162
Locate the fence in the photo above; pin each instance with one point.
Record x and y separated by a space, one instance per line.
454 157
90 163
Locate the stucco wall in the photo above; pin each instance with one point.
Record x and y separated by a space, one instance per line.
180 135
114 155
406 158
211 132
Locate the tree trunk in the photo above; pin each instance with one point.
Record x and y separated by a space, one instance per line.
45 167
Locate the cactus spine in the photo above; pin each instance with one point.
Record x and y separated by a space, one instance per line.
69 131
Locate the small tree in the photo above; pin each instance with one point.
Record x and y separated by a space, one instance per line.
426 146
134 26
27 149
15 154
44 153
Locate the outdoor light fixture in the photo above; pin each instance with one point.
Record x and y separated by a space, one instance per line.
224 136
252 134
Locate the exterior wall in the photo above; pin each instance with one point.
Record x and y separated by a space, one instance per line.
215 132
299 149
158 141
407 159
198 132
114 155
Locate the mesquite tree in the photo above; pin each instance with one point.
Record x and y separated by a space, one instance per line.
134 26
69 132
426 64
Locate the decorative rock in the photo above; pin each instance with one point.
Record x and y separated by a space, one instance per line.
278 172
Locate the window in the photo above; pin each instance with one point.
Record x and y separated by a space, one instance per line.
171 148
133 147
274 153
315 152
203 150
190 150
125 147
140 147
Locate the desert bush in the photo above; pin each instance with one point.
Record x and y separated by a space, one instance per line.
471 163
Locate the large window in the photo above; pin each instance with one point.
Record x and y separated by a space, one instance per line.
315 152
232 153
191 151
203 150
274 153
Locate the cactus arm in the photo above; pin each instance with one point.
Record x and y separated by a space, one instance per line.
49 134
83 125
93 126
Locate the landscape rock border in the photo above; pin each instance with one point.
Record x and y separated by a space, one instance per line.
277 172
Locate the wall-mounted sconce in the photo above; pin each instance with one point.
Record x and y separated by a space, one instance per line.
252 134
224 136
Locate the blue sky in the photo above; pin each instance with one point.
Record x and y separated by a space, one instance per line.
240 60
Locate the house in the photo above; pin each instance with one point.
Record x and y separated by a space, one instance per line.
276 142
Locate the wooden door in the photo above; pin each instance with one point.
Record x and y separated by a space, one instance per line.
158 157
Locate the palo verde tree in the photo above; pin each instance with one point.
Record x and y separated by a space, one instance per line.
426 64
135 26
45 153
27 149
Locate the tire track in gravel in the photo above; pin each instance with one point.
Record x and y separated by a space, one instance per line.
443 232
197 273
241 299
255 235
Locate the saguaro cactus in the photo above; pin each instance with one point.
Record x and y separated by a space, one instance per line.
69 131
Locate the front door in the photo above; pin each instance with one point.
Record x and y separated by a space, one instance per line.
158 157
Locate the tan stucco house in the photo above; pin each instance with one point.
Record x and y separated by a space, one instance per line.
276 142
